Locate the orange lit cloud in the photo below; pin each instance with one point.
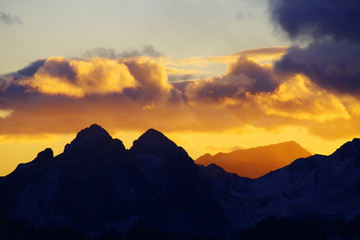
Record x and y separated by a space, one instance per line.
257 55
77 78
4 113
299 98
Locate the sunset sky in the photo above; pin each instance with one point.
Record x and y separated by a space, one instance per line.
212 75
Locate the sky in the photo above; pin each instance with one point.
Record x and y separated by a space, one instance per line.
212 75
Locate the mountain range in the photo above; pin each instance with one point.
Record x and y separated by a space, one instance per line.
97 189
256 162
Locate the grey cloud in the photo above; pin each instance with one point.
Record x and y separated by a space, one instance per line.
218 88
30 70
184 77
243 76
59 69
111 53
264 79
8 19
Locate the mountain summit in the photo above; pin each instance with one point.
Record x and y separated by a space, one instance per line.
96 189
89 137
256 162
153 141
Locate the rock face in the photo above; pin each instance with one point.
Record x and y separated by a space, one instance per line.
256 162
98 189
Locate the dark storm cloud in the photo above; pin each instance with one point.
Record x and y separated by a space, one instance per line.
318 18
332 58
334 66
110 53
8 19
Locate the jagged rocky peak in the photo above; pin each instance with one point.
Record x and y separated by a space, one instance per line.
89 137
153 141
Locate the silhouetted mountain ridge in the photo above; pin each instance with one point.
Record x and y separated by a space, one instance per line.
97 184
96 188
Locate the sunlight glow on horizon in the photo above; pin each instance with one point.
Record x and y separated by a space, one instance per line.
202 123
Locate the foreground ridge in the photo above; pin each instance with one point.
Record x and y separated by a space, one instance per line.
98 189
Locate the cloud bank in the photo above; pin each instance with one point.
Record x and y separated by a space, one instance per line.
59 95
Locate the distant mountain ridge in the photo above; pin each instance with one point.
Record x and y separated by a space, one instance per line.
256 162
97 189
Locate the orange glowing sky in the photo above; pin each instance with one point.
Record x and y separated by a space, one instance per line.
219 89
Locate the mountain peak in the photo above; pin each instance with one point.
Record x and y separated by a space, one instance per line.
88 137
153 141
255 162
94 131
154 134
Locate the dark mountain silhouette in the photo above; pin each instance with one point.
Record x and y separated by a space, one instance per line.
96 189
256 162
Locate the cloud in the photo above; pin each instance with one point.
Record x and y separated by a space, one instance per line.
242 76
318 19
175 74
32 68
262 75
48 93
111 53
7 19
77 78
333 66
258 55
132 78
331 57
4 113
299 98
59 95
263 54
